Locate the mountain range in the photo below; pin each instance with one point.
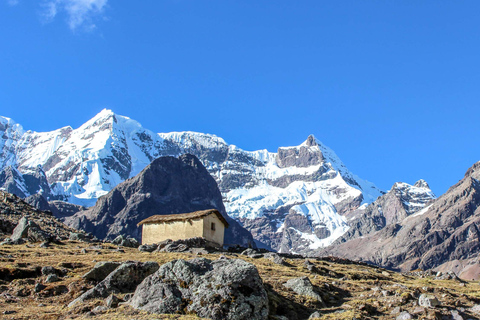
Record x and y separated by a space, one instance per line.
300 199
293 200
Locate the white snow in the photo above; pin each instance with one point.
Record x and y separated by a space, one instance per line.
76 161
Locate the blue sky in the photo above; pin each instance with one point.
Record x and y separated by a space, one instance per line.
391 86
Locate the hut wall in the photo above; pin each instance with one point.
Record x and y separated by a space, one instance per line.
175 230
214 236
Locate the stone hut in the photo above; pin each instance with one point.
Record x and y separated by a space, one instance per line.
209 224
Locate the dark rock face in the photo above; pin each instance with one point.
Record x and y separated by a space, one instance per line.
167 186
220 289
447 230
393 207
25 184
9 178
38 201
300 157
62 209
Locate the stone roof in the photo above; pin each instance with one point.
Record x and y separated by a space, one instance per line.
183 217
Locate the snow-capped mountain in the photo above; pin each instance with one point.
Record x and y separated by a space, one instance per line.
293 200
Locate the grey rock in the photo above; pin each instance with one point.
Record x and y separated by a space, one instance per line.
396 310
99 309
44 245
428 300
123 279
77 236
303 286
21 230
315 315
404 316
52 278
31 230
275 258
47 270
418 310
182 245
39 287
252 253
310 266
456 315
101 270
126 241
475 309
220 289
148 247
112 301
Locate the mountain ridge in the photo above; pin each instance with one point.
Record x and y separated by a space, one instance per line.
308 182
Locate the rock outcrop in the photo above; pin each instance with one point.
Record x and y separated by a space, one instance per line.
167 186
125 278
221 289
36 225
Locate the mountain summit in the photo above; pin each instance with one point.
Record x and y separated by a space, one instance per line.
293 200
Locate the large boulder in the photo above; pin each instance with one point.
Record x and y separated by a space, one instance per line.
21 230
303 286
101 270
126 241
220 289
123 279
31 230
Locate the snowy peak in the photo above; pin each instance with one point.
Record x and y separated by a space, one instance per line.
308 183
422 184
10 134
413 198
311 141
305 155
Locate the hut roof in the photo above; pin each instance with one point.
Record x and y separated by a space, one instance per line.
183 217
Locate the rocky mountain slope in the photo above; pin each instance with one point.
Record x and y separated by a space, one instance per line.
166 186
445 232
400 202
292 201
13 209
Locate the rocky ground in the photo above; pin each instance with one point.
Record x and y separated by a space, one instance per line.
41 283
50 271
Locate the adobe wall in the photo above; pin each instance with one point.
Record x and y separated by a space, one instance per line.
157 232
216 235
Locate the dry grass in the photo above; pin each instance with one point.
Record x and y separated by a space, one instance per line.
346 288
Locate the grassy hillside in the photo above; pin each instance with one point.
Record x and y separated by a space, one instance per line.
348 290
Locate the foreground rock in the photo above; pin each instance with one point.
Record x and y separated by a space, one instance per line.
220 289
303 286
123 279
101 270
